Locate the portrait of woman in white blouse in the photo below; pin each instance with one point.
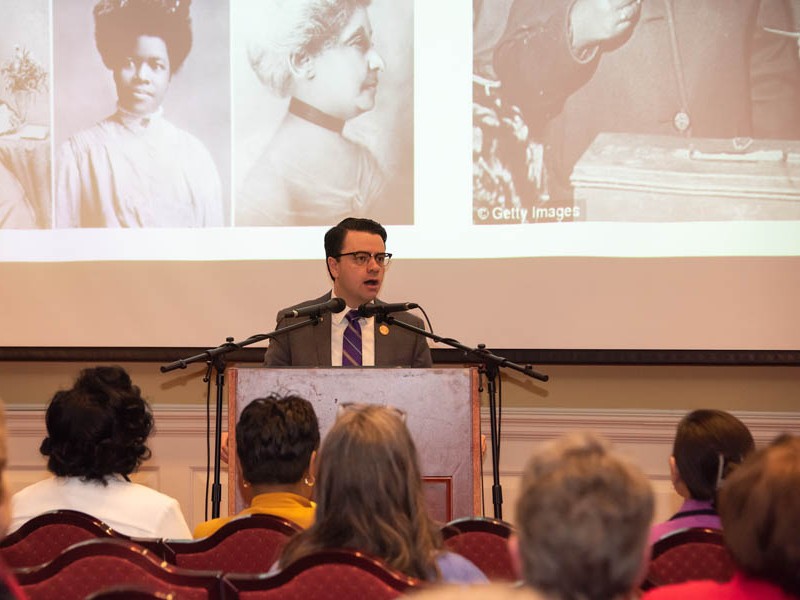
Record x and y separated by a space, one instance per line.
136 168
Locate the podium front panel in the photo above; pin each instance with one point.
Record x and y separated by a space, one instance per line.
442 413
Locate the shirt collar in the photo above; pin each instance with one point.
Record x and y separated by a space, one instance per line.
136 122
337 318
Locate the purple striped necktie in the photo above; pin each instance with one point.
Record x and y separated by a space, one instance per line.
351 341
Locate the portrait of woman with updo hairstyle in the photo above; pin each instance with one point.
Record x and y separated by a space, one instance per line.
136 168
336 90
96 439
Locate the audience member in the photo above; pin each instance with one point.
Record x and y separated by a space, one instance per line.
760 510
582 520
276 441
96 438
370 498
709 445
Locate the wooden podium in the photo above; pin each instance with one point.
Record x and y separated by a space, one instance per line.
442 413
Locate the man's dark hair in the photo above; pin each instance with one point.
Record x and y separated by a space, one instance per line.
275 437
334 238
98 428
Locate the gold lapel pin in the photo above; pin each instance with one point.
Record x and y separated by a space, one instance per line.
384 329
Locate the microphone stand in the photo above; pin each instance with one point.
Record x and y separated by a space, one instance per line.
215 359
490 367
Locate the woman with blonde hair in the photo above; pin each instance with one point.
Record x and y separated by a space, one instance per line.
370 498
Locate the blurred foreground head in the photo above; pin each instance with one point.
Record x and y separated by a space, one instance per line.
582 520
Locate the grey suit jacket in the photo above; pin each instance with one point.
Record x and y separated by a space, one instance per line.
311 346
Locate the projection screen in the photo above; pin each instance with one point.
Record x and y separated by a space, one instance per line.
638 191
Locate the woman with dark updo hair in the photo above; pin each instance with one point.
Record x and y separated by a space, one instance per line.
96 438
135 168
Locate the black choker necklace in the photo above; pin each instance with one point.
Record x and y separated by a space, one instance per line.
315 115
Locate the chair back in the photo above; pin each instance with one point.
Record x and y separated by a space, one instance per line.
97 564
249 544
132 592
483 541
42 538
324 575
687 555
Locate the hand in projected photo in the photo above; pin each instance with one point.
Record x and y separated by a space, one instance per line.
653 71
319 54
135 168
594 21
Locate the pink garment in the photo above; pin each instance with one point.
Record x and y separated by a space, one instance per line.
741 587
684 518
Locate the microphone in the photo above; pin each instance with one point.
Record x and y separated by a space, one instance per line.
370 310
334 305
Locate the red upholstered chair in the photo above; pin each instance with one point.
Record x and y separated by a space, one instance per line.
42 538
96 564
248 544
132 592
324 575
484 541
689 554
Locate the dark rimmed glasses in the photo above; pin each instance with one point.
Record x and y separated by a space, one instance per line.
362 258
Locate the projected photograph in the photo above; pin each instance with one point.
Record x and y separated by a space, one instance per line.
324 111
142 113
635 111
25 199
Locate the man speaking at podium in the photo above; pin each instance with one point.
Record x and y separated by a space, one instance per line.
356 256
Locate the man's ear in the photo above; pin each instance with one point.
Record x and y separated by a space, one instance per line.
516 559
333 267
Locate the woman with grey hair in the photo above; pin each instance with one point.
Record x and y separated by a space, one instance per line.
320 55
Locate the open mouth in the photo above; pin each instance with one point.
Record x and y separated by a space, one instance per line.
372 283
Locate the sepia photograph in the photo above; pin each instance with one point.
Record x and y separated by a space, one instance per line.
324 102
635 110
142 113
25 75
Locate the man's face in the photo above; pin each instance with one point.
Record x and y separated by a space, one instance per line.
346 75
143 75
357 284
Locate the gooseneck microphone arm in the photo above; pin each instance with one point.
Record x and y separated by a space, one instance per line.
215 359
490 366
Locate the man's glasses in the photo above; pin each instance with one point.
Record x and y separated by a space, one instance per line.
362 258
345 407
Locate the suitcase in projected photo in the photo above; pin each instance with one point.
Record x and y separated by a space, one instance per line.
630 177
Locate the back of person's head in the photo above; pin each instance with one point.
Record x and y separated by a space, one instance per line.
275 438
759 505
119 22
582 520
98 428
369 494
709 445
